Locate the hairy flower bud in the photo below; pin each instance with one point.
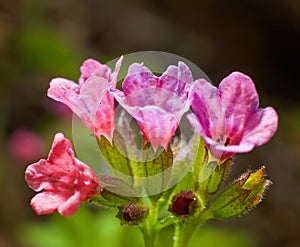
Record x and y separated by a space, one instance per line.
133 213
243 195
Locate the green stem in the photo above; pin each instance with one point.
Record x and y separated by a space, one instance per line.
148 227
183 233
185 230
149 239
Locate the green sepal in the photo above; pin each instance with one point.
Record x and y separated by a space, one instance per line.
114 155
152 163
212 184
243 195
113 192
124 158
201 157
110 199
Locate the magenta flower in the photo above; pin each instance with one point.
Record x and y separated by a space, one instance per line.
90 99
157 103
62 180
228 118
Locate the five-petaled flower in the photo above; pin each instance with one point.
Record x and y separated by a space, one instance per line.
90 98
62 180
156 103
228 117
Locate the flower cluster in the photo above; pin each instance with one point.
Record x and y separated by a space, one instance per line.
227 119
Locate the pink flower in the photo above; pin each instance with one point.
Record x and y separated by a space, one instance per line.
228 117
25 146
90 99
157 103
62 180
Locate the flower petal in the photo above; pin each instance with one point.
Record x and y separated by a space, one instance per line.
138 78
70 206
176 79
239 100
61 152
260 127
64 91
47 202
92 67
157 125
114 75
207 107
97 107
47 176
194 121
57 172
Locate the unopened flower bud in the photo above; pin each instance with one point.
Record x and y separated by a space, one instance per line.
243 195
185 203
132 214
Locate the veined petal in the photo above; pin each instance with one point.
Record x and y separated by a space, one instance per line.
138 78
44 175
61 151
90 102
260 127
239 148
239 100
206 105
157 125
92 67
88 182
114 75
70 206
176 79
194 121
64 91
47 202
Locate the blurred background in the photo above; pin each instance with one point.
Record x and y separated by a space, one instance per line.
40 40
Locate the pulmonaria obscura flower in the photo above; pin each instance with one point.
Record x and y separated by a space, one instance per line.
156 103
228 117
90 98
62 180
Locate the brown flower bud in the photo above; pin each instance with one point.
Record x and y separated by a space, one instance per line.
132 214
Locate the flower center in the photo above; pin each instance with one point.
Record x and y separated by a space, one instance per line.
224 141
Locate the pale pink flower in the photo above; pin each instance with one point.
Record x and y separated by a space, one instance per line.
25 145
90 99
156 103
228 117
62 180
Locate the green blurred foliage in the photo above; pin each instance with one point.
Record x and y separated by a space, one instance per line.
91 228
46 50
